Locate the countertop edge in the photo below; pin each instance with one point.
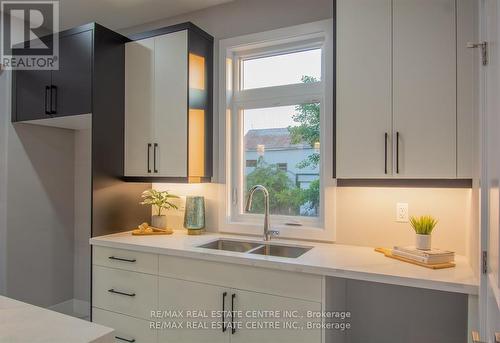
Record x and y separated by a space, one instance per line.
464 288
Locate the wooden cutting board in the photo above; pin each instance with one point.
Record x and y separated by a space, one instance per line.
388 253
152 232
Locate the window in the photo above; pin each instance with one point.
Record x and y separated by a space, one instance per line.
251 163
283 166
275 122
282 141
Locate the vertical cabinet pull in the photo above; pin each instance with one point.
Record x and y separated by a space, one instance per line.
233 328
223 311
53 103
149 157
154 157
385 152
397 152
47 110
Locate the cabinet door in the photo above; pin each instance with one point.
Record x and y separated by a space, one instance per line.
31 94
424 88
139 107
171 91
289 327
194 303
364 118
73 81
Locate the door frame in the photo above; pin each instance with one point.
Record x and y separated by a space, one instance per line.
486 293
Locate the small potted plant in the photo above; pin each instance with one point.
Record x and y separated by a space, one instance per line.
159 200
423 227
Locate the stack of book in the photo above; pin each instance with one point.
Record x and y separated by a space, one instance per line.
433 256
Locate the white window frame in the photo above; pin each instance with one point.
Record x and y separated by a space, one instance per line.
232 101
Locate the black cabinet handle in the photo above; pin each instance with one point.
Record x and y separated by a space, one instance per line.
154 157
47 111
122 259
125 340
233 329
397 152
121 293
385 152
53 103
223 311
149 157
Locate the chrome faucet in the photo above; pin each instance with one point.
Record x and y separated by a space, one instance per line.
267 232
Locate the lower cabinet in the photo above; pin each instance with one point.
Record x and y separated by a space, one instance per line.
127 329
270 318
216 314
195 301
198 311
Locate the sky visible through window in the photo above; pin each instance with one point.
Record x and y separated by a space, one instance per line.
281 69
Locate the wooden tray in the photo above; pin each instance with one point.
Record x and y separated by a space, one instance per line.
137 232
388 253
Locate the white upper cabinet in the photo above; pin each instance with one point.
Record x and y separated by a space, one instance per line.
156 106
424 80
168 114
171 104
364 118
397 114
139 109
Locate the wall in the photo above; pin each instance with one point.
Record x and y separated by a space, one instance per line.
4 113
40 214
36 209
365 216
83 201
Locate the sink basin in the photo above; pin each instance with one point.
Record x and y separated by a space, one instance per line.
230 245
257 248
281 250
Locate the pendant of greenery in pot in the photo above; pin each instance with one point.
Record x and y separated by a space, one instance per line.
423 227
159 200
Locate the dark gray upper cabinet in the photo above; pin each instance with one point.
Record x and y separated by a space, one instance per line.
67 91
73 81
31 91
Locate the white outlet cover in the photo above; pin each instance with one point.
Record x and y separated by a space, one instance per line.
402 212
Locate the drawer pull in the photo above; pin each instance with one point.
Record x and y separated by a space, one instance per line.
122 259
125 340
121 293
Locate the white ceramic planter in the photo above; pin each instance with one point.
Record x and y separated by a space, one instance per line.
159 222
423 242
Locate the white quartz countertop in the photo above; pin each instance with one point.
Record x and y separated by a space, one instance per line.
24 323
352 262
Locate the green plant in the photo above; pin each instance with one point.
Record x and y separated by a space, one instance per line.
160 199
423 225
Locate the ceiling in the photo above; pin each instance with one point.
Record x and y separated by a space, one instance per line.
118 14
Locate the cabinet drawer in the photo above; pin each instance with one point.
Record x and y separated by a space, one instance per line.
284 283
125 259
125 292
128 328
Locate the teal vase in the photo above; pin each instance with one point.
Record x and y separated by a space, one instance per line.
194 216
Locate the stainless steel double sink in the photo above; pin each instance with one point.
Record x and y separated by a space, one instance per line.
258 248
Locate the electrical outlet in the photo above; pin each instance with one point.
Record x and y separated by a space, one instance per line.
402 212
